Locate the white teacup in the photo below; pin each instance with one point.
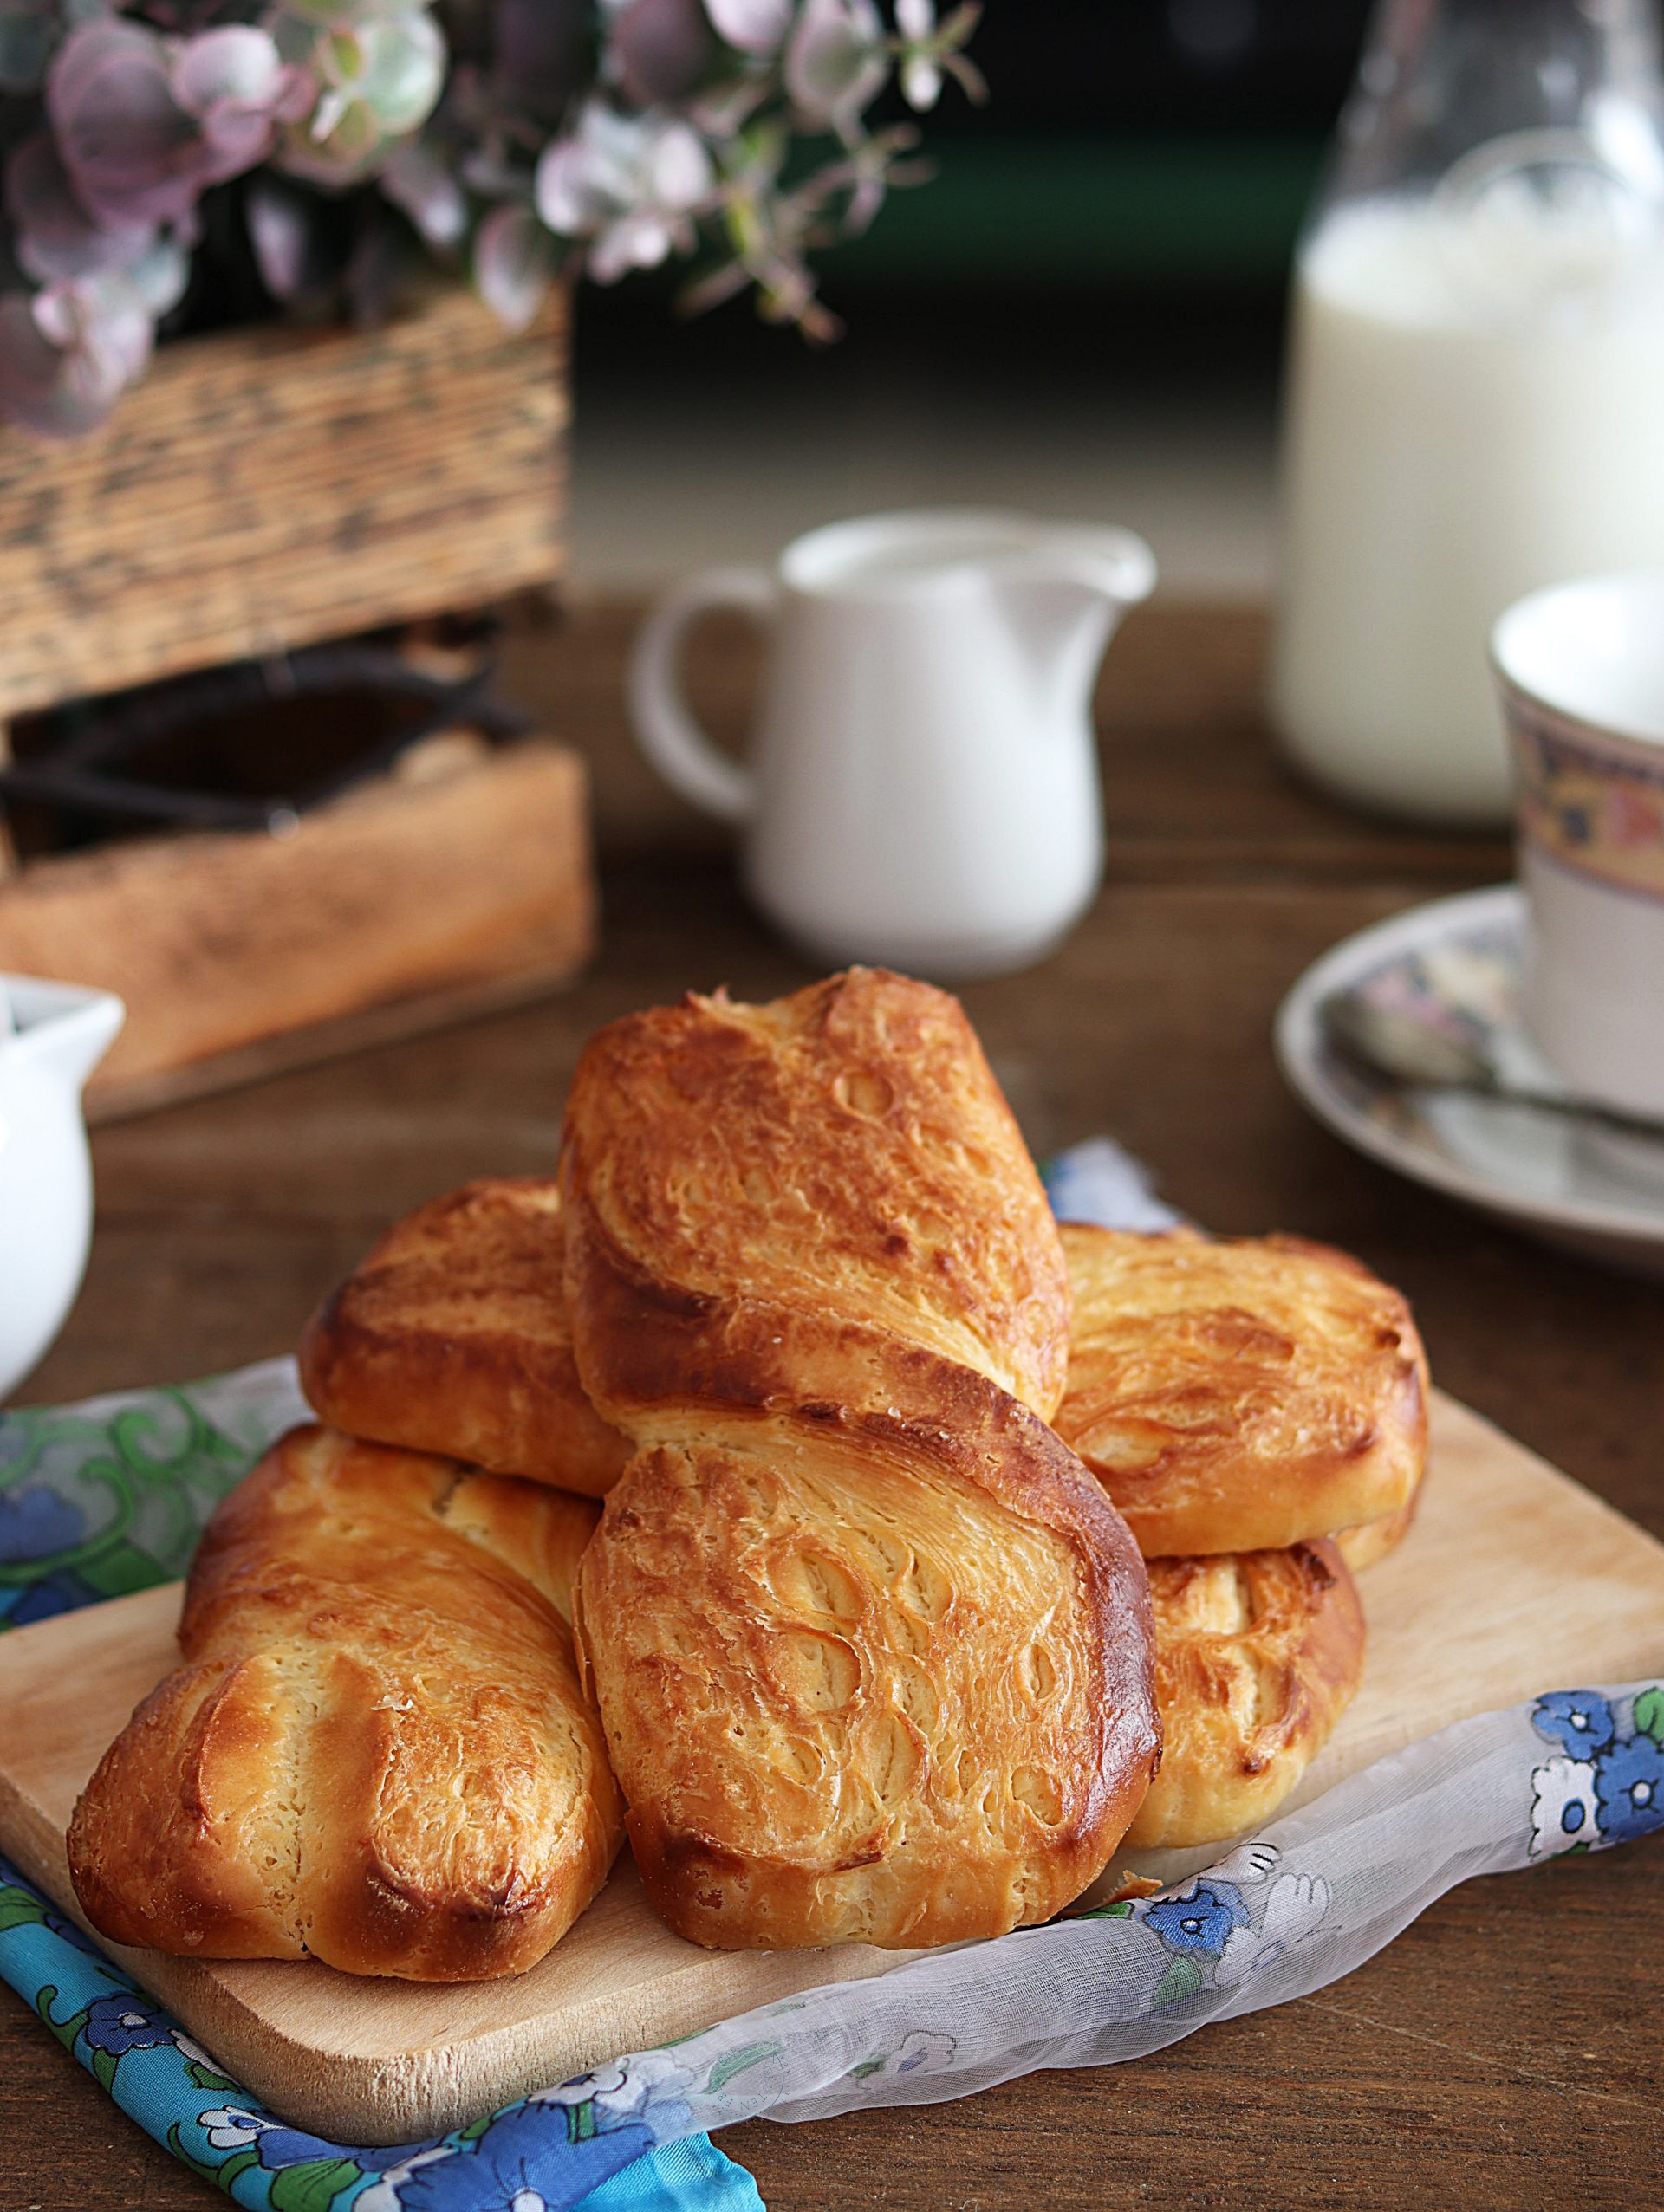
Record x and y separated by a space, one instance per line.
55 1037
922 788
1581 667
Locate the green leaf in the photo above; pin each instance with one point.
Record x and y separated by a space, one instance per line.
223 2173
1182 1979
750 2054
122 1569
1121 1910
17 1908
314 2185
65 2030
205 2078
475 2128
104 2064
238 2163
867 2067
1649 1714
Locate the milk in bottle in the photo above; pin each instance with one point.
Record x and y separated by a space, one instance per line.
1475 403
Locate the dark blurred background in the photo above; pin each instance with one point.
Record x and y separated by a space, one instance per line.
1083 312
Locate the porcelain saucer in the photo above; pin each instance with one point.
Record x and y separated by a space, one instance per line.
1458 962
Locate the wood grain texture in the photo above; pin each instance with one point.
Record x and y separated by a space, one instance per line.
1570 1592
367 2062
373 1750
266 487
218 943
1506 2049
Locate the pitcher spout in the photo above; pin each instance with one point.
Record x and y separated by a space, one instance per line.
1065 595
61 1029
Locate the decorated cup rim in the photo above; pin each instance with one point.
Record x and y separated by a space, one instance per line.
1616 730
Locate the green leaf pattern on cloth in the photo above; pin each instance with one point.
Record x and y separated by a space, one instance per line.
110 1496
99 1500
1320 1890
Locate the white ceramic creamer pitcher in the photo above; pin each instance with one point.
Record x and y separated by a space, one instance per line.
55 1037
922 791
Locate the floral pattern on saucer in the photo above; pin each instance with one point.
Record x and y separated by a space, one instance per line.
1458 964
1467 987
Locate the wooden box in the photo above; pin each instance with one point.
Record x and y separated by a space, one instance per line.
408 904
263 489
267 487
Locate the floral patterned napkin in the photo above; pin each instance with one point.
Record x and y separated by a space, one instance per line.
109 1496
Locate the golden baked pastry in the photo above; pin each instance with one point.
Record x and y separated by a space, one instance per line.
871 1647
451 1337
1258 1654
377 1750
1239 1395
864 1681
1372 1539
767 1202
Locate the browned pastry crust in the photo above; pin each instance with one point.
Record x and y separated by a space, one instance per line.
868 1681
377 1750
765 1202
872 1650
1240 1395
1372 1539
1258 1654
451 1337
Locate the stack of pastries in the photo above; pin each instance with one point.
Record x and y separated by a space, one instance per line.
924 1525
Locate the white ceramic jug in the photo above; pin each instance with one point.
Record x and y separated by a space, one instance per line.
923 787
55 1036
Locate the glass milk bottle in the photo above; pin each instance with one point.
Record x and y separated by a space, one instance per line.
1475 403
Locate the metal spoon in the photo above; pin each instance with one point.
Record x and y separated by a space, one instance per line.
1384 1041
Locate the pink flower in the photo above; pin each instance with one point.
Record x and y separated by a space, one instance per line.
56 238
69 354
144 125
627 184
921 74
836 62
514 264
417 180
756 27
660 50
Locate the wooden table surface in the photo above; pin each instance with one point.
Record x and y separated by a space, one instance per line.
1506 2050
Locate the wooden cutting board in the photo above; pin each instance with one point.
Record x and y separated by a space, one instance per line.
1514 1581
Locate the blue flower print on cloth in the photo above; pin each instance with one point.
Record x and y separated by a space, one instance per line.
515 2163
1579 1720
234 2129
99 1499
120 2023
1199 1918
1320 1890
594 2142
1607 1786
34 1522
594 2125
1629 1790
109 1496
1097 1181
1218 1936
1565 1813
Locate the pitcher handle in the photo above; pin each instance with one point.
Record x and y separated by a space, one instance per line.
664 729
